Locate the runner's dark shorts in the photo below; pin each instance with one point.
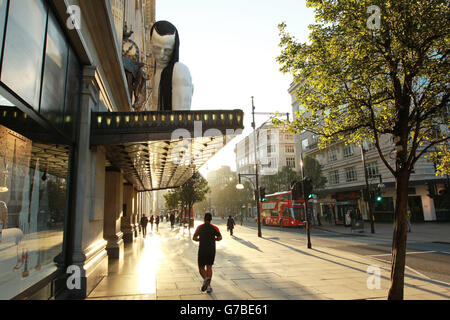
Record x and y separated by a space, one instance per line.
206 258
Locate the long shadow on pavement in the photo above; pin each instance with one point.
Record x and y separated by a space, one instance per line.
246 243
360 270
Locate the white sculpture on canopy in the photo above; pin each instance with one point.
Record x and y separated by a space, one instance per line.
172 82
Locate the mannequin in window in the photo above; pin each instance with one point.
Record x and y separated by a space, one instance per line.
172 82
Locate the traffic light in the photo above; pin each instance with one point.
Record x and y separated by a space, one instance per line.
307 182
262 194
378 196
297 190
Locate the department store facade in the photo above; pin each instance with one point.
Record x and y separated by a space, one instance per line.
77 162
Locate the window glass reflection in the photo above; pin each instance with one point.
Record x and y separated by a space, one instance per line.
24 46
72 94
33 192
53 86
3 7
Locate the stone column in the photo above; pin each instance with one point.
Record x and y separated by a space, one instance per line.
127 223
86 251
113 212
136 219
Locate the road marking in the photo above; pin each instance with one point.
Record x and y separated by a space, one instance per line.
389 254
422 275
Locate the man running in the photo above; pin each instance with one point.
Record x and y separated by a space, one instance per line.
207 234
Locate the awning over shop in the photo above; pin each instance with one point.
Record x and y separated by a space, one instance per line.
161 150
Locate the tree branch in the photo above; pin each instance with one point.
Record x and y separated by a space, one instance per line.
377 143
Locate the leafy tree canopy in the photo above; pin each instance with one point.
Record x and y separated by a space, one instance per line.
357 81
313 170
194 190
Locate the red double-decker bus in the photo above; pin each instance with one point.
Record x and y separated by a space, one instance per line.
280 210
185 216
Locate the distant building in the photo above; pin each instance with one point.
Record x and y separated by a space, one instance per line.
276 149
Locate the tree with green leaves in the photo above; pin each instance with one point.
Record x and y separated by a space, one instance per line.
172 200
281 181
194 190
376 68
313 170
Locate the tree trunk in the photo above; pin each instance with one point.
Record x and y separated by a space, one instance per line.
399 237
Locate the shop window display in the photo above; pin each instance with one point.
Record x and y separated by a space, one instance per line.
33 191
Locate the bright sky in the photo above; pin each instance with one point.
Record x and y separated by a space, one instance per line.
230 48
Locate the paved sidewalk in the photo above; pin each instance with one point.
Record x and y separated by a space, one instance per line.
164 267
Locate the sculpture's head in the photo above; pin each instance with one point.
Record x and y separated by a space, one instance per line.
165 43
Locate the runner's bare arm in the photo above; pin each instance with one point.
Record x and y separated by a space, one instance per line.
196 238
219 237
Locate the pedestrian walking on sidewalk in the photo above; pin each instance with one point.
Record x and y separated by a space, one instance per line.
152 219
348 218
144 222
230 225
172 220
409 219
157 223
206 234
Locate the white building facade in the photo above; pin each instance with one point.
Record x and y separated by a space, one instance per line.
275 150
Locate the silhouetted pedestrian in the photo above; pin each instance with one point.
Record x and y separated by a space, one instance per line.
230 225
172 220
157 223
144 222
152 219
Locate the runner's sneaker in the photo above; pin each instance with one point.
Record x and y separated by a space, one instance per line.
206 283
209 290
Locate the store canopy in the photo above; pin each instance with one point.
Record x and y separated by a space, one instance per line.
162 150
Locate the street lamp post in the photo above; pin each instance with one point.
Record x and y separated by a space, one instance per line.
255 139
368 194
256 169
308 233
